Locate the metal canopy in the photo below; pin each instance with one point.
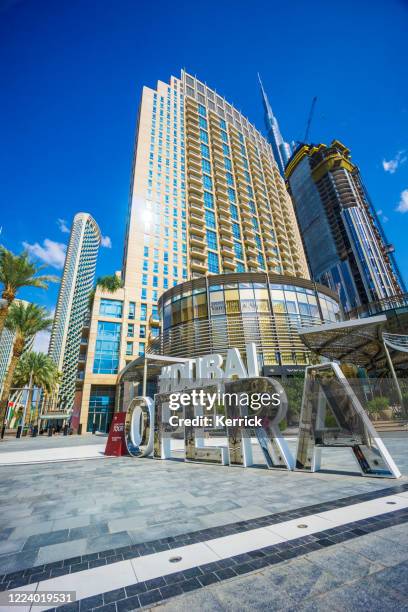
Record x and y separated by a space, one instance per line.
359 341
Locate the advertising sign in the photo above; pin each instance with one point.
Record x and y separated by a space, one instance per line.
116 444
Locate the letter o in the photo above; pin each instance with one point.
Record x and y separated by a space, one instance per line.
139 427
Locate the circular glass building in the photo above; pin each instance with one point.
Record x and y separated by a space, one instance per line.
213 313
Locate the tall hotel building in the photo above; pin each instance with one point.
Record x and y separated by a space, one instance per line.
343 238
73 302
207 198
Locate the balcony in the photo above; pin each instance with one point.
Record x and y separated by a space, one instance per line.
196 230
197 217
195 181
228 263
196 205
196 240
198 252
193 146
249 240
227 251
250 250
224 220
196 189
198 266
222 203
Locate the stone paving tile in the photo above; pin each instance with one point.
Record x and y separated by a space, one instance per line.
203 600
300 579
251 593
366 595
17 561
343 565
65 550
378 548
108 541
395 578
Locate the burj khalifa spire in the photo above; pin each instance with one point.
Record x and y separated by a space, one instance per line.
281 149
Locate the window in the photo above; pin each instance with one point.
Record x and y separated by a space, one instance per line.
143 312
206 166
202 110
239 254
111 308
225 149
212 240
144 279
231 194
236 231
258 242
261 260
156 267
107 344
143 294
234 212
208 199
131 330
155 281
205 151
227 164
230 179
129 348
213 265
203 123
132 309
145 251
224 136
145 265
204 136
207 182
240 267
210 219
255 224
141 349
223 125
142 331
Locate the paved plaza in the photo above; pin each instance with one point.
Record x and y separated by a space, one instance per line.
64 516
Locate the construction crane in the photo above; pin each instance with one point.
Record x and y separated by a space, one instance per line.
309 121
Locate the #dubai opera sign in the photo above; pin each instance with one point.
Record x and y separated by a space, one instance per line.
207 397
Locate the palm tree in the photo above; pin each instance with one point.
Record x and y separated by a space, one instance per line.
17 271
24 320
36 370
110 284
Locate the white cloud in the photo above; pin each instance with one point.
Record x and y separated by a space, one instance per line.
41 342
392 165
62 224
403 203
51 253
106 242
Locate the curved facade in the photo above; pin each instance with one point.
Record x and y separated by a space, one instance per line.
211 314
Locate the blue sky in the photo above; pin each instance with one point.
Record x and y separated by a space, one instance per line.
71 76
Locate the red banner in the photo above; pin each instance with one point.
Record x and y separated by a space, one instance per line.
116 444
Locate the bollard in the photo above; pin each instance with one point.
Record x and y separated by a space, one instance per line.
3 431
79 429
